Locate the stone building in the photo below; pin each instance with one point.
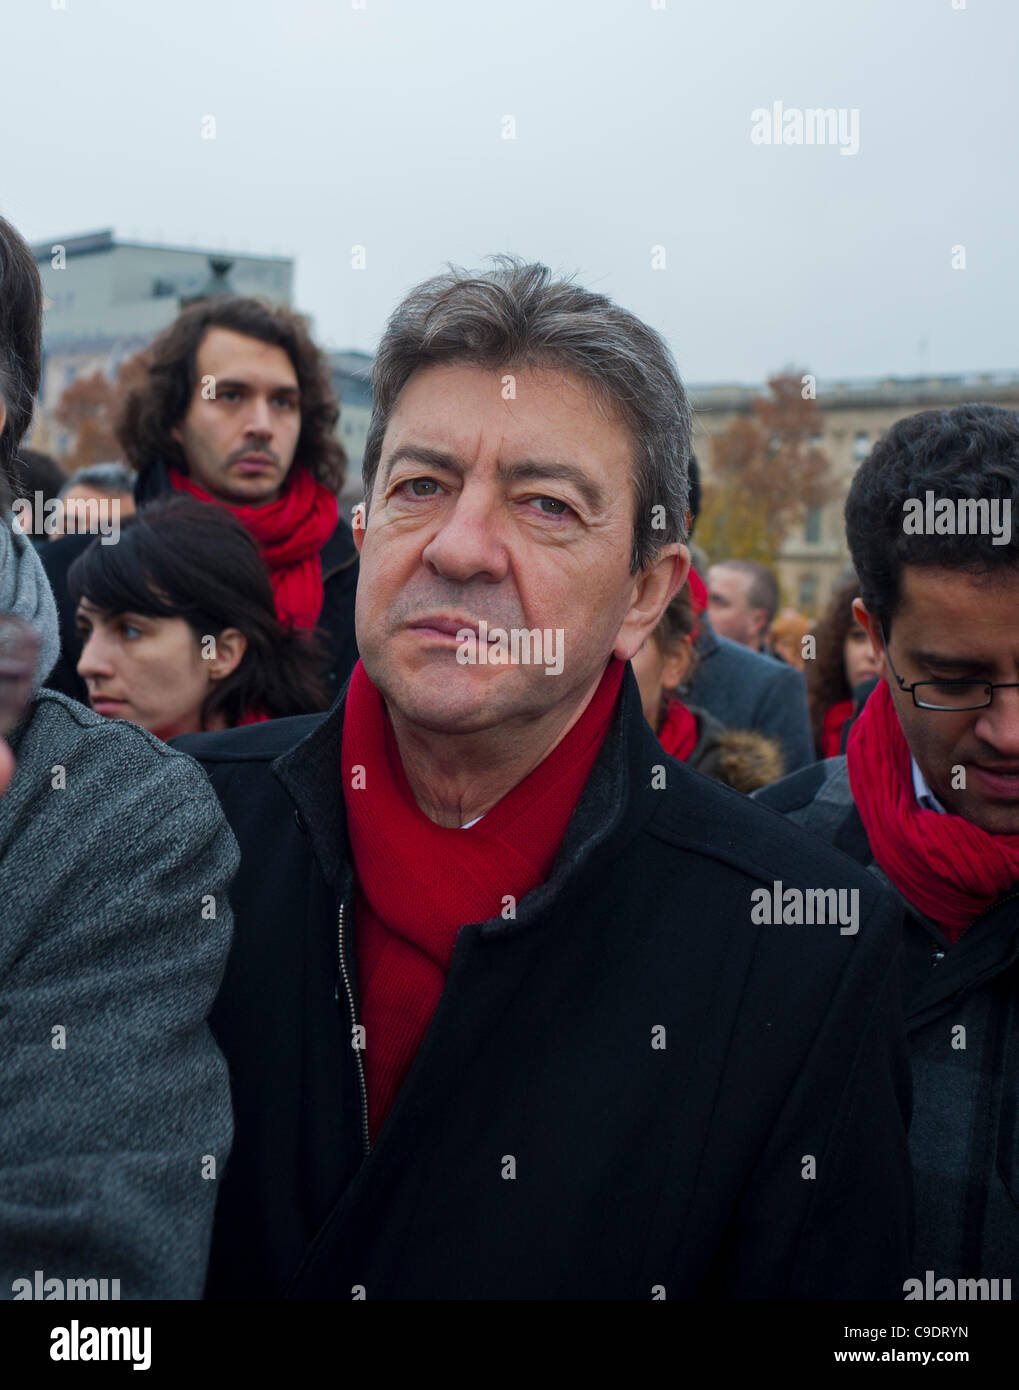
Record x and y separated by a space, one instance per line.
855 414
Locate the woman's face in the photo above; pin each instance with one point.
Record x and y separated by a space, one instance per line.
657 670
145 669
858 657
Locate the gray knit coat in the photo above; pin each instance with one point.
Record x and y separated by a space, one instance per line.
115 1117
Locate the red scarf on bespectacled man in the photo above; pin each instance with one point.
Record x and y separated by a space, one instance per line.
418 883
943 864
290 533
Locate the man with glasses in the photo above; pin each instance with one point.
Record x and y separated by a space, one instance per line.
927 797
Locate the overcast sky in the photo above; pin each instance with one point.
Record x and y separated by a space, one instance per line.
383 126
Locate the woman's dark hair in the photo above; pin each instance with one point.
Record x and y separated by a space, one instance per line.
826 674
20 346
678 621
970 452
154 407
180 558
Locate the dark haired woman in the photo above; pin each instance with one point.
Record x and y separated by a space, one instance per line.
841 675
741 758
179 628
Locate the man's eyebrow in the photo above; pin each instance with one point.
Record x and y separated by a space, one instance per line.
534 470
233 384
527 470
420 453
927 658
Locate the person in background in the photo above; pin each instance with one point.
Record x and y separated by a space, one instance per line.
237 408
35 472
99 482
787 634
741 758
745 689
178 627
843 673
742 602
927 798
115 1108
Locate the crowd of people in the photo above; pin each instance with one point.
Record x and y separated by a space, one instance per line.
339 959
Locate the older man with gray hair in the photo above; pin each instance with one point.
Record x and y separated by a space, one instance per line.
501 1020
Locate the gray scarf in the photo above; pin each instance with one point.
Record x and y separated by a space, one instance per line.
25 590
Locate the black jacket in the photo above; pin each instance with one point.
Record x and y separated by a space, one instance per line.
545 1144
962 1020
745 689
335 624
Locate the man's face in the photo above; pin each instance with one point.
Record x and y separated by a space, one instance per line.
728 609
239 446
516 512
952 626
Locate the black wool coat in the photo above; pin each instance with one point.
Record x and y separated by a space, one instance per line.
630 1091
335 624
961 1005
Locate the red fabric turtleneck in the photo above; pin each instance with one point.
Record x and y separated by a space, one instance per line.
943 864
418 883
291 533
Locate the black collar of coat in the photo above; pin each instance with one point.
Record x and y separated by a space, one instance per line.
616 801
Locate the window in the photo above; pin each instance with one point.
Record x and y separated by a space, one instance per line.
808 592
812 526
861 445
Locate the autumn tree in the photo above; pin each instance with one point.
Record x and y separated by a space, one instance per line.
765 473
88 409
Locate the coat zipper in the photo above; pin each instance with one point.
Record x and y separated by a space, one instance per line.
345 977
939 954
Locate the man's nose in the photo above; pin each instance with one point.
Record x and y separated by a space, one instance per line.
998 725
259 419
469 543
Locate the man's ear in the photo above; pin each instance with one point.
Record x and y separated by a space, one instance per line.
653 590
357 525
231 644
868 621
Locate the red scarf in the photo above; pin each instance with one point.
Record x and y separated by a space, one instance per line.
832 726
698 597
678 734
946 866
291 533
418 883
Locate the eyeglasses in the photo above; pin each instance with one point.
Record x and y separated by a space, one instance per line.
949 695
19 652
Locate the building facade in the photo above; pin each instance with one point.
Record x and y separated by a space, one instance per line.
855 414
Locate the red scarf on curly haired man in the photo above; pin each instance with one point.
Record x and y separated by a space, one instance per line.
290 533
943 864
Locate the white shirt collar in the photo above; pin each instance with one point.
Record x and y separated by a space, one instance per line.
925 797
